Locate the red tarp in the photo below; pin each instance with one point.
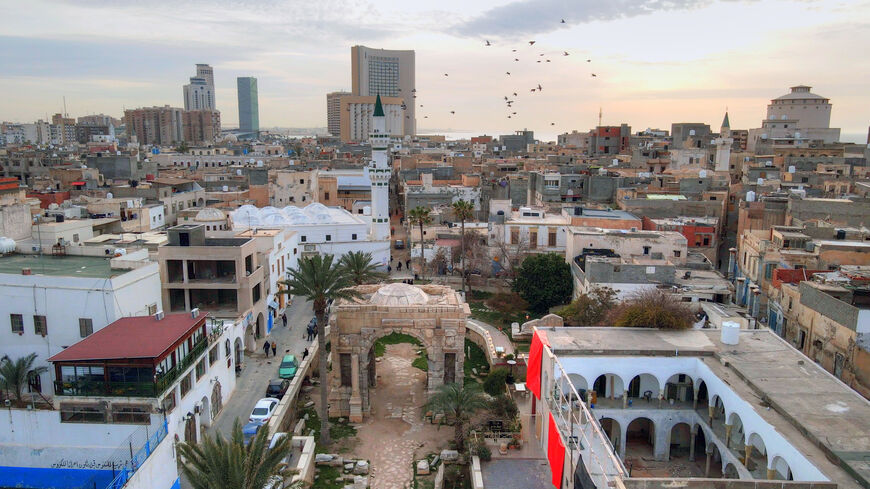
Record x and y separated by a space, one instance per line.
533 368
78 183
555 452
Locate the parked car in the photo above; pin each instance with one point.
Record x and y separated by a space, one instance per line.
277 388
287 369
399 244
250 430
263 410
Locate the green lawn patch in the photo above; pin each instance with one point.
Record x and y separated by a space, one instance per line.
393 338
327 478
475 358
422 361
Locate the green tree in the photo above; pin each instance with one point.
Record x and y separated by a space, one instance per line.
495 382
320 278
464 211
182 147
216 463
590 309
458 403
360 268
544 281
653 308
421 217
15 374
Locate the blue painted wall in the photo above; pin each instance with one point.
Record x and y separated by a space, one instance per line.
45 478
177 484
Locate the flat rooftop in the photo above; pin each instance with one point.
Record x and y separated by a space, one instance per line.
819 415
60 266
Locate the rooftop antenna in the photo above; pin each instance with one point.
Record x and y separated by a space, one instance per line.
64 107
599 116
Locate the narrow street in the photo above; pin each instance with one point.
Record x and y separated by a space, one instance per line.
258 369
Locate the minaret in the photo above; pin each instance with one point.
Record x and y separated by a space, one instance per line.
379 174
723 143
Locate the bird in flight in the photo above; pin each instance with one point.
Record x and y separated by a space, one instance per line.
532 90
563 21
516 59
552 123
548 61
445 74
539 61
515 94
452 111
488 44
513 50
593 74
508 73
539 87
565 53
505 98
541 54
531 43
588 60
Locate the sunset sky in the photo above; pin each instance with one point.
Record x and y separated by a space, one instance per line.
657 61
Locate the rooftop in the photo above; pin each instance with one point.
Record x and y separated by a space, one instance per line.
59 266
152 338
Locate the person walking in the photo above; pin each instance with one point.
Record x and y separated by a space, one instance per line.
274 348
284 319
408 264
266 347
399 267
310 333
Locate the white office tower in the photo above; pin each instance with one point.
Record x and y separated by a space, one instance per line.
379 174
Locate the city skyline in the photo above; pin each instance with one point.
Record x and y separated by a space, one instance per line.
700 62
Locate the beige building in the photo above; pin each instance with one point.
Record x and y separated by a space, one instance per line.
333 112
356 117
291 187
222 276
390 73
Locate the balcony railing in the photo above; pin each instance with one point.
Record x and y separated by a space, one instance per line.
165 380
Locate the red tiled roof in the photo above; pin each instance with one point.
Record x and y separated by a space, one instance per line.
132 337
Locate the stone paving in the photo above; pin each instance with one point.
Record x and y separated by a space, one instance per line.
395 434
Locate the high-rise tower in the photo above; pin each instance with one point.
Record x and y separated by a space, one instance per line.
379 174
199 93
249 109
388 73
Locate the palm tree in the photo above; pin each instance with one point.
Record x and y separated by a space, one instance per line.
464 211
320 278
458 403
216 463
15 374
420 216
359 267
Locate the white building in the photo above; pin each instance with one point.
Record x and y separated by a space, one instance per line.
379 176
52 302
531 228
199 94
795 119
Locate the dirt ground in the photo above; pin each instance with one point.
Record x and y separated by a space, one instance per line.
395 435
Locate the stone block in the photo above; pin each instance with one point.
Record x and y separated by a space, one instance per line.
348 467
361 467
449 455
422 467
360 482
323 458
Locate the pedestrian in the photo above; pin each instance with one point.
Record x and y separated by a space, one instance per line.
310 333
284 319
408 264
274 348
266 348
389 269
304 353
399 267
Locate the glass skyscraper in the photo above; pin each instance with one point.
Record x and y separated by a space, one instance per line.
249 111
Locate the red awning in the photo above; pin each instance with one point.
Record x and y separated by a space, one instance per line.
555 453
533 369
78 183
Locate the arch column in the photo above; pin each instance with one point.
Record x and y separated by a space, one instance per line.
771 474
356 412
623 433
748 448
661 445
695 400
624 399
711 410
692 443
709 451
728 435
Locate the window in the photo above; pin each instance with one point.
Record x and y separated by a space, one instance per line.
706 241
186 385
303 238
75 238
168 403
533 240
646 250
39 325
86 327
152 309
515 235
677 253
34 382
213 356
551 239
131 414
200 368
82 413
326 196
346 376
17 321
256 293
353 237
329 237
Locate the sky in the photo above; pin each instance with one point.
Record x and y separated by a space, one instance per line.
655 61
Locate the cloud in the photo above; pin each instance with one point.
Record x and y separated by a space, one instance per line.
526 17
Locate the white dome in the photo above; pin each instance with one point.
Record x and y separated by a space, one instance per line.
399 295
316 208
269 210
275 219
210 214
246 216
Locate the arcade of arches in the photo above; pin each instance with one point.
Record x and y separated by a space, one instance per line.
433 314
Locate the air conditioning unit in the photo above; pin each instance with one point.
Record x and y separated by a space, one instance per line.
159 315
194 313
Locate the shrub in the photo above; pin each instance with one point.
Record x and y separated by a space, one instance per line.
654 308
509 303
504 407
484 453
589 309
544 281
494 384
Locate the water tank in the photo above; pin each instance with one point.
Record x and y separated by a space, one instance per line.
367 211
110 195
239 172
730 333
226 188
259 163
791 169
797 135
750 196
702 174
760 181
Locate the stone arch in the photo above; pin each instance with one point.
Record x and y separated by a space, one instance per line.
613 430
261 327
757 461
239 353
640 436
702 394
609 385
738 431
679 387
779 469
642 384
730 472
435 315
713 469
679 440
250 338
217 402
200 201
575 380
717 410
204 412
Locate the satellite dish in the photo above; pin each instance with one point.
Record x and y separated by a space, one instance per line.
691 132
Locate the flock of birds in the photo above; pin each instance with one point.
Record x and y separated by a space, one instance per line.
510 100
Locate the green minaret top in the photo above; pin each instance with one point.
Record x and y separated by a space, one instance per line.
379 109
725 122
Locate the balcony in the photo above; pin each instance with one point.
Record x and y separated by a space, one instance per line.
168 378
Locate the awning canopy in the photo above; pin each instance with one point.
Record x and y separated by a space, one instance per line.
79 183
273 304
